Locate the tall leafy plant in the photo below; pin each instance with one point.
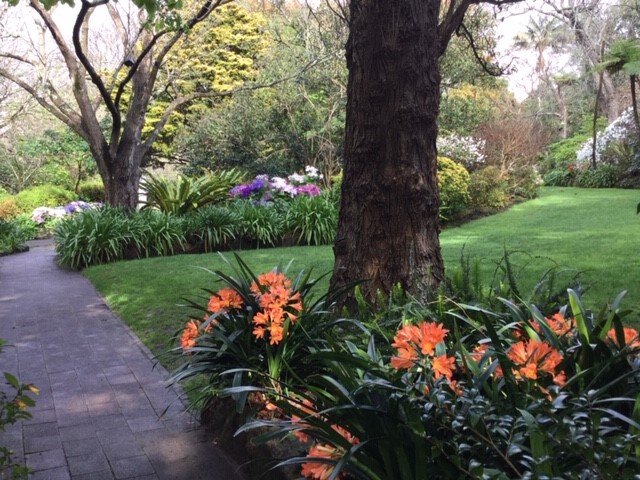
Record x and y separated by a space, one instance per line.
185 194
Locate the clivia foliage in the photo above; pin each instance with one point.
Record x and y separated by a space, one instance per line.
441 391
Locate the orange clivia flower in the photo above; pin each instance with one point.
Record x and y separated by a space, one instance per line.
411 339
443 366
321 471
631 337
190 334
225 299
531 357
558 324
269 279
278 302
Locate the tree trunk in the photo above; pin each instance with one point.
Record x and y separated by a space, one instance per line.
120 175
388 227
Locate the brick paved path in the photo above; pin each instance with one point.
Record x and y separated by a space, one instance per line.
97 414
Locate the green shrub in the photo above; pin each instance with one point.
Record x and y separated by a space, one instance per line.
560 177
312 220
93 237
27 226
604 176
260 225
211 228
91 190
156 233
523 182
561 155
43 196
487 189
11 238
185 194
453 184
8 208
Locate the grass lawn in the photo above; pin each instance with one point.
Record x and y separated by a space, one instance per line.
592 231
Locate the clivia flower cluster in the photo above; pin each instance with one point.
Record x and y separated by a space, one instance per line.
318 450
279 306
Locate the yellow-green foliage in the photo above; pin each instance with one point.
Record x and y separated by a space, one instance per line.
488 188
8 208
217 55
91 190
453 184
43 196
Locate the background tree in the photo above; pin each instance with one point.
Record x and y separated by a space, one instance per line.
281 129
146 38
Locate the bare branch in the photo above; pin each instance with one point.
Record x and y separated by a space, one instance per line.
18 58
52 108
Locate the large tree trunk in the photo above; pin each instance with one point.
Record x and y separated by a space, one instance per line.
388 228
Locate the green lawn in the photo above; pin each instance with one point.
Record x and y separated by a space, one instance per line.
593 231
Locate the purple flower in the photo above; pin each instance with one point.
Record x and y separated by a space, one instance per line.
309 189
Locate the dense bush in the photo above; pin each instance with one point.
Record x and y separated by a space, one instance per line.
12 237
211 228
91 190
260 225
27 225
560 177
562 154
604 176
487 189
43 196
312 220
93 237
185 194
465 150
8 208
523 182
453 185
155 233
432 391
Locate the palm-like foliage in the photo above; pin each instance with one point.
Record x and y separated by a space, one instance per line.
185 194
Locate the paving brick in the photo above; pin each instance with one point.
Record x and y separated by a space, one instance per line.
60 473
41 444
132 467
89 463
100 396
77 432
85 446
46 460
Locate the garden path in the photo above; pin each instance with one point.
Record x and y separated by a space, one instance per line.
99 411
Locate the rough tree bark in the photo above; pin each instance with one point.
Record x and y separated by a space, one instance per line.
388 225
388 228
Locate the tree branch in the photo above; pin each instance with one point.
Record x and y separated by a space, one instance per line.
95 78
18 58
53 109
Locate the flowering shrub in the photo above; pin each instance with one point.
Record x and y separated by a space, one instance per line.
465 150
620 130
263 189
467 393
41 214
252 328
